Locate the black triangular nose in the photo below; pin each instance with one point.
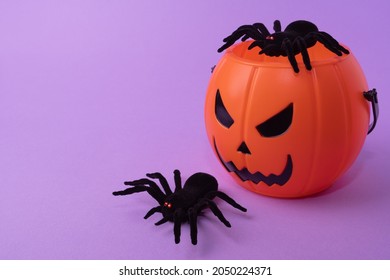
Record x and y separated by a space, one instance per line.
243 148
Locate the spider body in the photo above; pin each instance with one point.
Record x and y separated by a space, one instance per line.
297 37
273 43
185 203
195 188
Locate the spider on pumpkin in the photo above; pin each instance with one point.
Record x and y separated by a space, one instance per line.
185 203
297 37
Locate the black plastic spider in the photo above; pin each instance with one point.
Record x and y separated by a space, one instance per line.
185 203
296 38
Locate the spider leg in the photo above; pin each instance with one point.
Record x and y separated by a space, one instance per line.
239 30
245 37
193 215
287 46
177 177
329 42
162 221
227 199
225 46
277 26
246 32
177 219
163 181
334 42
300 42
269 47
158 196
231 39
214 208
139 185
192 219
257 43
325 41
263 29
252 31
152 211
259 27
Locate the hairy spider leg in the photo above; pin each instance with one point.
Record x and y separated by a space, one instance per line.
162 221
177 219
300 42
157 195
177 178
263 29
268 47
333 41
256 43
227 199
288 48
218 213
163 181
330 44
277 26
260 32
152 211
232 38
192 219
194 211
248 31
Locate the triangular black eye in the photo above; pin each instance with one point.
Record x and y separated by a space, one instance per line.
221 113
278 124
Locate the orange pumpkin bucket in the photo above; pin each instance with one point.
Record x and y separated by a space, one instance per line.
286 133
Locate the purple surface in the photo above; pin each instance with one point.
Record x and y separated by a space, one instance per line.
93 93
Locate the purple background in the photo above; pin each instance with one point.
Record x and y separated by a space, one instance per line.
93 93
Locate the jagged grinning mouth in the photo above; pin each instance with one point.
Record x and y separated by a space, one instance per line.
258 177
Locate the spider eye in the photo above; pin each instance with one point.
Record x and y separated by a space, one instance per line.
221 113
278 124
270 38
168 205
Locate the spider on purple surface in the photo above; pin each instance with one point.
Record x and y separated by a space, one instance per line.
185 203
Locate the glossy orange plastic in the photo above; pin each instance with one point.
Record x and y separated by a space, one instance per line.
329 121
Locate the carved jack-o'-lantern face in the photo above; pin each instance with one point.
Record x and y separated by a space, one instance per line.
281 133
272 127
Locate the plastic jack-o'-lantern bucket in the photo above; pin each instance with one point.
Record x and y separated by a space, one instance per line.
286 134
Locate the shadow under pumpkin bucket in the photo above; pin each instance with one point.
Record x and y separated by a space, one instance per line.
286 134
